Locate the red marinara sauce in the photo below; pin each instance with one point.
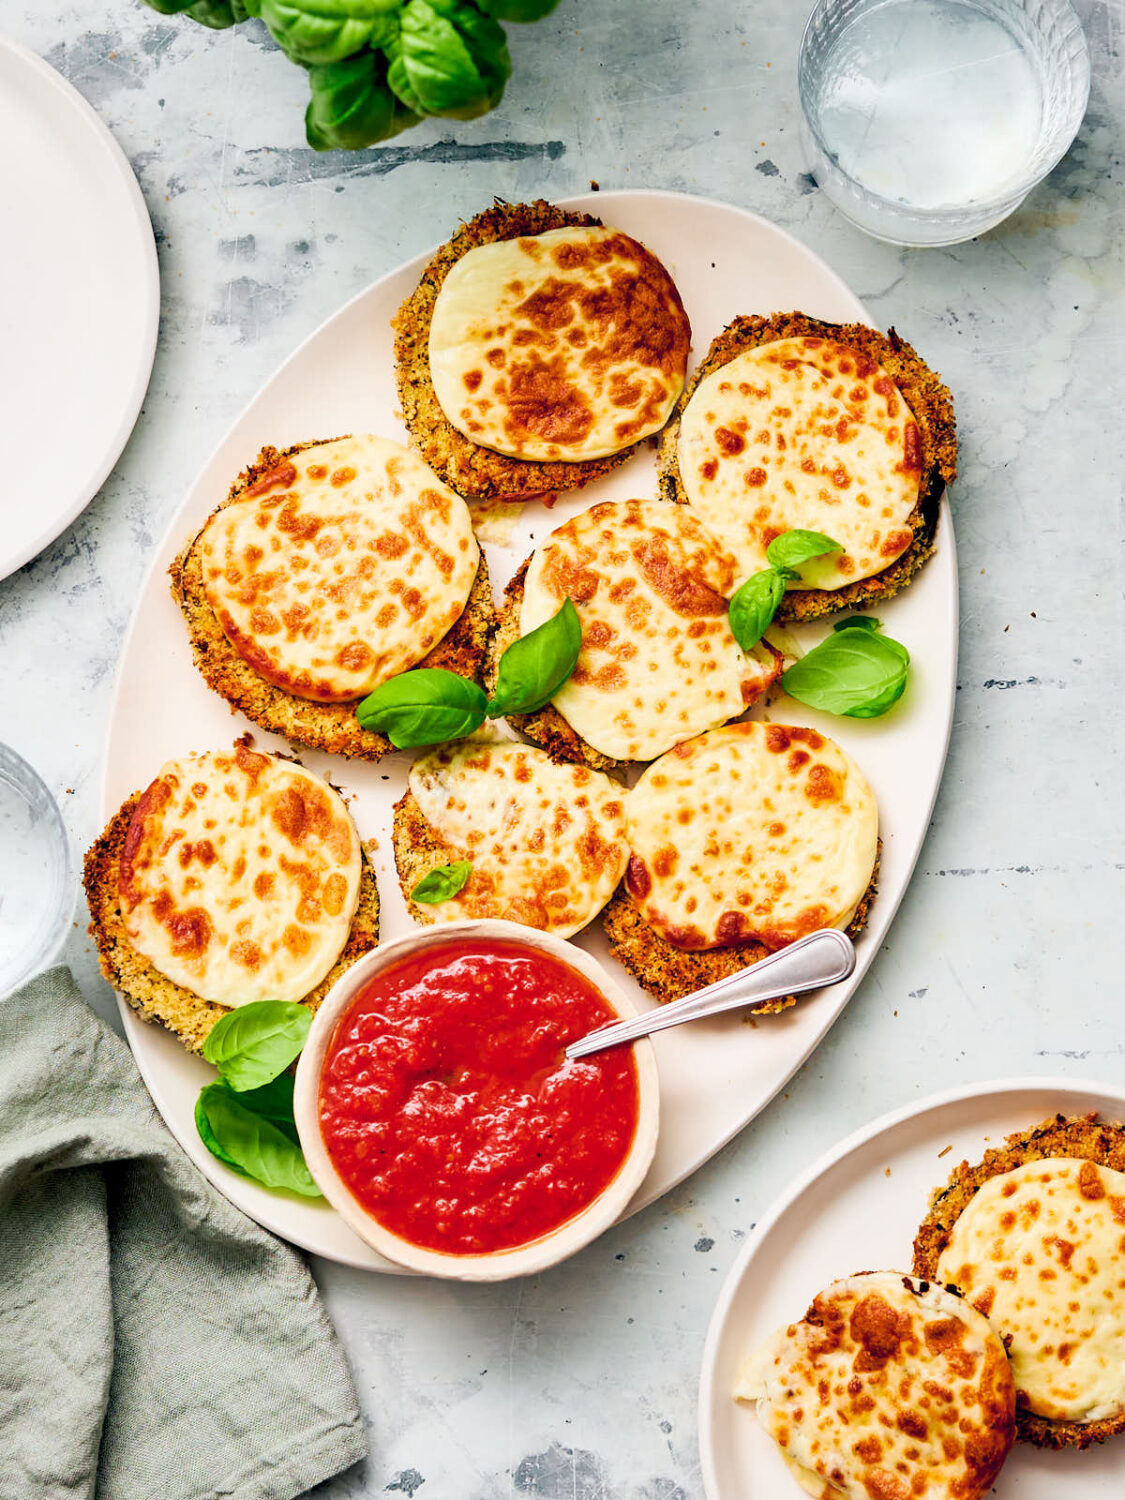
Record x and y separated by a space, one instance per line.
449 1110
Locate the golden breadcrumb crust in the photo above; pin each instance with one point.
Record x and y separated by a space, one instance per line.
151 995
303 721
1083 1138
547 728
669 973
925 394
474 471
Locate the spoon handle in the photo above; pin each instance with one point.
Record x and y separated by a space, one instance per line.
824 957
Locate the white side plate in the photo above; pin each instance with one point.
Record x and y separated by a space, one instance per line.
858 1209
715 1075
79 303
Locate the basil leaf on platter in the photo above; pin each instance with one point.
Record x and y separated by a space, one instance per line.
859 622
792 548
424 707
253 1043
859 674
442 883
251 1143
754 604
327 31
534 668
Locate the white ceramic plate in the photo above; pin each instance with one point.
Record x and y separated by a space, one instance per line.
858 1209
715 1075
79 302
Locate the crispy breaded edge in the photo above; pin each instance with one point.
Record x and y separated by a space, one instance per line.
467 467
928 399
669 973
303 721
547 728
1084 1138
151 995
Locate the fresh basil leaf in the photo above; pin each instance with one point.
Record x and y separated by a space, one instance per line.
447 58
274 1102
857 673
754 604
327 31
425 707
251 1143
351 106
859 622
253 1043
534 668
792 548
442 883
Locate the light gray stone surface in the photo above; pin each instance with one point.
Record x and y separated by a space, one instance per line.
1006 955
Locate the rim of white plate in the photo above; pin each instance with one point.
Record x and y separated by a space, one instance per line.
150 290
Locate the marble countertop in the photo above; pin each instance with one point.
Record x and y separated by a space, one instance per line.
1006 954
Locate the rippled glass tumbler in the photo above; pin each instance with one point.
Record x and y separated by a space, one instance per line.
36 897
929 121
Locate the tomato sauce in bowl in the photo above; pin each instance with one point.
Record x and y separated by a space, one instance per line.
449 1111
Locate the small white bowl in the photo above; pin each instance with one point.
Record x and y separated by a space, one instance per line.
521 1260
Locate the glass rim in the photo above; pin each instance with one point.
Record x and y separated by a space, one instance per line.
1079 67
49 936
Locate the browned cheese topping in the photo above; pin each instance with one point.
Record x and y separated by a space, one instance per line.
888 1389
658 663
240 876
569 345
762 832
338 569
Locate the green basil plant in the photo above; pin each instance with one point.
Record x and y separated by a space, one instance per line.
378 66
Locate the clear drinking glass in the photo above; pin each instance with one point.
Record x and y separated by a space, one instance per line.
36 899
928 121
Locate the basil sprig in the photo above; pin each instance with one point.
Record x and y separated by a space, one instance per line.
442 883
252 1044
856 671
245 1117
754 604
429 705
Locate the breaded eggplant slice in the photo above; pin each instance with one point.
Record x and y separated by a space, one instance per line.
151 995
304 721
473 471
929 401
1084 1138
668 973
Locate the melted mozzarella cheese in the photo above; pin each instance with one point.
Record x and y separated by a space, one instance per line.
339 568
803 433
546 841
886 1389
567 345
1040 1251
658 662
240 877
761 832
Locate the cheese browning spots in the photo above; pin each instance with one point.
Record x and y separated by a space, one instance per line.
569 345
239 877
888 1389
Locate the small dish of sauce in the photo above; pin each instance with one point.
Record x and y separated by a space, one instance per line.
449 1115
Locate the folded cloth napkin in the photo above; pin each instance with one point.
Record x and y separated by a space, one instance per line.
154 1343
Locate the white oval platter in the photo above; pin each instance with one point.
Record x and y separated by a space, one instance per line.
715 1075
858 1209
80 305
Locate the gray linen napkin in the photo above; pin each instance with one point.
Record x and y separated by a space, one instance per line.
154 1343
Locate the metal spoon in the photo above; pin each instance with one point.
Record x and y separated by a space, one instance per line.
824 957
